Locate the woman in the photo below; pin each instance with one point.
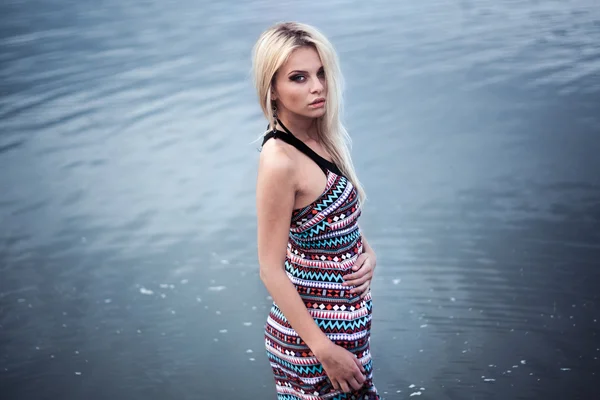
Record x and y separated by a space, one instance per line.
314 260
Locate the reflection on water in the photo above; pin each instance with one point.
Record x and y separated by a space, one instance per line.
127 248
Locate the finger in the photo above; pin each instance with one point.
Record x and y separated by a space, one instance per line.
360 287
359 364
354 383
364 294
366 274
360 377
356 275
335 384
359 282
360 277
359 262
344 385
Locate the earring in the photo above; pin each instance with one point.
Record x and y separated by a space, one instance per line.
274 117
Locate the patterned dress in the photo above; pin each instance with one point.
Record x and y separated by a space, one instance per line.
324 243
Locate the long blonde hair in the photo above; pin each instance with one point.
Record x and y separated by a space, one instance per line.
271 51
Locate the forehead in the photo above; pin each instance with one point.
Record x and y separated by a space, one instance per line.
304 58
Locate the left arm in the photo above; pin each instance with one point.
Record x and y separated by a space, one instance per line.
363 270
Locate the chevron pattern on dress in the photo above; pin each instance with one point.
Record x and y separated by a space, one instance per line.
324 244
337 194
328 234
300 213
314 275
343 326
329 244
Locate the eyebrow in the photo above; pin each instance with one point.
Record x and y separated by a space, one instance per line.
301 71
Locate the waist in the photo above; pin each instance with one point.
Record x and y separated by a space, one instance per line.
325 233
327 254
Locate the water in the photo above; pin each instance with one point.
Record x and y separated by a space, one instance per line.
127 247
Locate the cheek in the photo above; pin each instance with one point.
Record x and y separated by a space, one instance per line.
292 95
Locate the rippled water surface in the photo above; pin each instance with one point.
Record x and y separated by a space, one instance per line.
127 227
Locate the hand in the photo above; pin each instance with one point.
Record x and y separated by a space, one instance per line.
361 279
343 368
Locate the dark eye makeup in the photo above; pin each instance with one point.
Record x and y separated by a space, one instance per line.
302 77
297 78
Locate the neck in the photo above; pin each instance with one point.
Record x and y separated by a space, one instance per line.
303 128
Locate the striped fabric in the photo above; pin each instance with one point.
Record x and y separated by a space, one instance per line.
323 245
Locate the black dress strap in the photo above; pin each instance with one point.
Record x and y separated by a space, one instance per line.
289 138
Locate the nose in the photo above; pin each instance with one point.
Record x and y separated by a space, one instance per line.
317 86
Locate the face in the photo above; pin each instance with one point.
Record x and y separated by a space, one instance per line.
300 88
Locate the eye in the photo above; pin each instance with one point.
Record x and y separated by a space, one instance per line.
297 78
321 73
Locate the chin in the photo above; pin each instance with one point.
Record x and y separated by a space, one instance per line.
311 114
317 113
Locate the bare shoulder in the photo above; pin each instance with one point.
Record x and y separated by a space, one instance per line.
276 162
275 186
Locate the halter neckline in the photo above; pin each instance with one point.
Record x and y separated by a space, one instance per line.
289 138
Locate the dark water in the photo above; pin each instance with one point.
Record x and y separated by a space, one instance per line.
127 240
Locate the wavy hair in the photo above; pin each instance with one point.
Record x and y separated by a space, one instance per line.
271 51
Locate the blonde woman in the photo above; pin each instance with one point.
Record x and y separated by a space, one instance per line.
314 260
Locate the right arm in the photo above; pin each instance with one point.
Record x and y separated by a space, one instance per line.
275 196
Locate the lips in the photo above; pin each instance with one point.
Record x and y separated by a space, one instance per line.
317 101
